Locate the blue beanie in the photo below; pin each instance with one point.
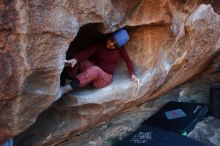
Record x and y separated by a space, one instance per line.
121 37
9 142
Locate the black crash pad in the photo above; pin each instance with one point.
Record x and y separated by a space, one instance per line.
214 102
150 136
179 117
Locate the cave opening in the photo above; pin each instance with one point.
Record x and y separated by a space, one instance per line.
86 36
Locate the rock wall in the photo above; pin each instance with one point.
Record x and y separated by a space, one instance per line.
171 42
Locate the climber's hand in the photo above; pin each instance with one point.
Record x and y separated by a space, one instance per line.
135 79
71 62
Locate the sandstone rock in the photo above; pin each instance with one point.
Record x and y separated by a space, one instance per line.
196 90
207 131
169 45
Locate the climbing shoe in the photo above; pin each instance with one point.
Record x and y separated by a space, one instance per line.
75 84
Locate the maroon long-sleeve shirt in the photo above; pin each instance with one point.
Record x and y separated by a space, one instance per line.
105 58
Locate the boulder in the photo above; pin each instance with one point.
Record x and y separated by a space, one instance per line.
171 42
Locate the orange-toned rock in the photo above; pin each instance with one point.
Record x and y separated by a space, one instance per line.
171 42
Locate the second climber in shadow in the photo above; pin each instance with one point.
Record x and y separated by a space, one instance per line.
97 63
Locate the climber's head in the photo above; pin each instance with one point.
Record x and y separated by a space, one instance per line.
118 39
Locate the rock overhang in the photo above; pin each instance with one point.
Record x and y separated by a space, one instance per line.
165 54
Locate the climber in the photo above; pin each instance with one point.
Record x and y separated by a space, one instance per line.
96 64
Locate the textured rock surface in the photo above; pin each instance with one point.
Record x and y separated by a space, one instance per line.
120 126
171 42
206 131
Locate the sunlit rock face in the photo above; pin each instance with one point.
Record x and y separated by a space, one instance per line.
170 43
